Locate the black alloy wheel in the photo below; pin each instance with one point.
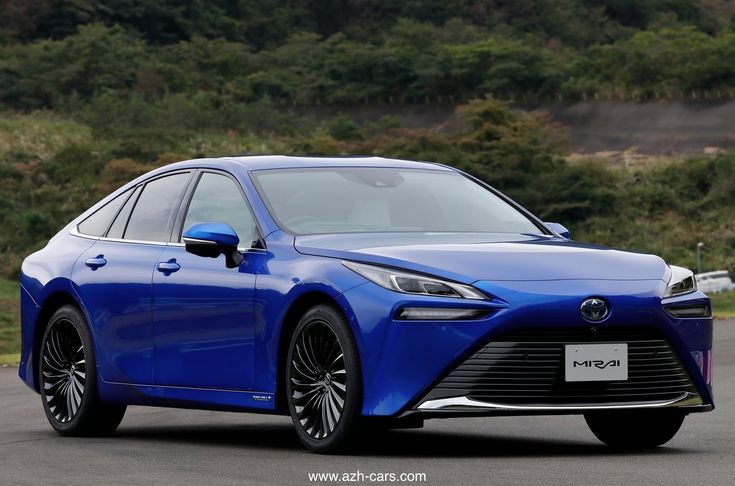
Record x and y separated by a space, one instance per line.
318 380
323 386
64 370
67 377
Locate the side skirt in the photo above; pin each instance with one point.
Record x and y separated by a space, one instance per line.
184 397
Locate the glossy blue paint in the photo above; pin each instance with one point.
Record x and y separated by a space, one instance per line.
118 298
203 313
468 258
219 234
44 279
175 329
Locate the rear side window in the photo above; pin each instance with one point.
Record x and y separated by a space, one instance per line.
217 199
98 222
118 226
150 218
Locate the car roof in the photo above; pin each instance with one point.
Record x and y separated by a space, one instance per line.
260 162
264 162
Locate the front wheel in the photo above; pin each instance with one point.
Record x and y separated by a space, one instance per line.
323 385
634 430
68 378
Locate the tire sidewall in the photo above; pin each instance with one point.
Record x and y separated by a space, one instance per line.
352 411
75 316
635 430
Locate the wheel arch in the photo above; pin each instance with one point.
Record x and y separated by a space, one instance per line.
51 304
293 315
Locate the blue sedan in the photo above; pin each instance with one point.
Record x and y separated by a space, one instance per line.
348 292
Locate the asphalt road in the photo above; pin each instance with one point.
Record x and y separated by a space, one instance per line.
163 446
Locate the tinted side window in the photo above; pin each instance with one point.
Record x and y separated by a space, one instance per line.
217 199
118 226
150 217
98 222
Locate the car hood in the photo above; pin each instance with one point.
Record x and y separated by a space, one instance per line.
469 257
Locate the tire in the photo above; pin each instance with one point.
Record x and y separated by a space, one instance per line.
323 381
67 377
635 430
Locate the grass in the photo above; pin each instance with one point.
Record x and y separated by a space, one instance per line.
10 359
723 305
9 323
9 318
41 134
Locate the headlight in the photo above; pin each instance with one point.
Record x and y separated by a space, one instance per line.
682 282
411 283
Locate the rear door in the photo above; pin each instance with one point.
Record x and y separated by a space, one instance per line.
114 277
202 310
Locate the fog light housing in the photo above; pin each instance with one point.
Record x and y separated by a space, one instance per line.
691 310
439 314
704 363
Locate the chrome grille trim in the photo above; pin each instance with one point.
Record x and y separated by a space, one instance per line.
687 399
526 370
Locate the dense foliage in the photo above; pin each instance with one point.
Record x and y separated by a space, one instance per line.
52 168
123 85
81 54
265 23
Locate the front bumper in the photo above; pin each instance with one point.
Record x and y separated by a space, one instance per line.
523 372
403 362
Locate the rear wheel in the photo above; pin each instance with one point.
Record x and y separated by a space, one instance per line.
68 378
634 430
323 381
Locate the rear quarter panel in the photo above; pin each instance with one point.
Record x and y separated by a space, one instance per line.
43 274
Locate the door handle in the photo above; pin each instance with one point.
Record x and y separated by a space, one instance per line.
96 262
168 267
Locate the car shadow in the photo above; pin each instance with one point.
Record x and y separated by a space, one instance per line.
389 443
274 436
429 443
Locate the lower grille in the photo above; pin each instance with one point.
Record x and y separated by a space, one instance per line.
527 368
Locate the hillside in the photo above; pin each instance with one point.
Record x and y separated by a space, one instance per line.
667 128
86 56
52 168
93 93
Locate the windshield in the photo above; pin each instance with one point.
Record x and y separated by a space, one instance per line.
367 200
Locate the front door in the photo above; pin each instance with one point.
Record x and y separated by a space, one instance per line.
202 310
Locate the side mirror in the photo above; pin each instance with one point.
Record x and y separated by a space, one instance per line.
559 229
212 240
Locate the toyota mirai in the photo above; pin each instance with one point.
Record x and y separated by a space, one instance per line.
353 291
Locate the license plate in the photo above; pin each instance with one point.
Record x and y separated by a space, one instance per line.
596 362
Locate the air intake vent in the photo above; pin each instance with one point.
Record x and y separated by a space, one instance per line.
527 368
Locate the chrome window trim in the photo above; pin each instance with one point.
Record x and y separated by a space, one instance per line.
137 242
73 231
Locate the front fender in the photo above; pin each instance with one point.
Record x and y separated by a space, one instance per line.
280 283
